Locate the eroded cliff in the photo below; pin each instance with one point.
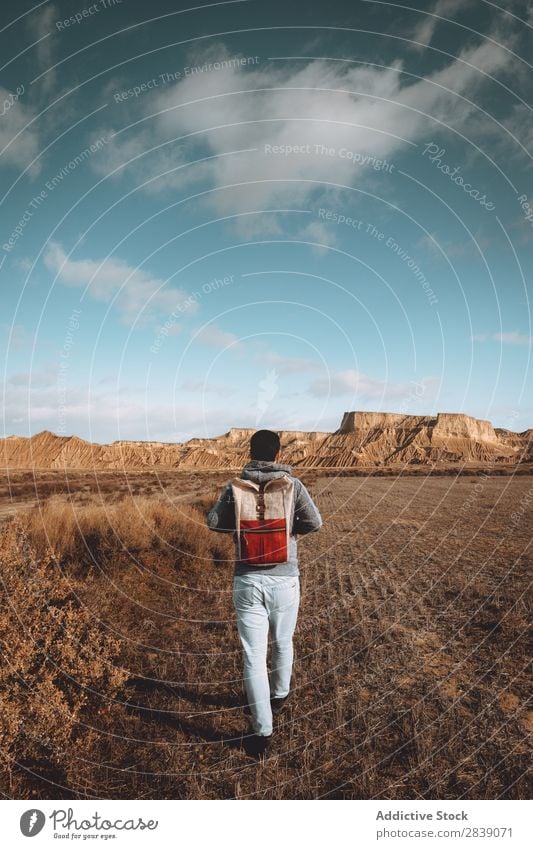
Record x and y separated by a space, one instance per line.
363 439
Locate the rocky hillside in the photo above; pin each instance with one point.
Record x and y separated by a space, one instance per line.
363 439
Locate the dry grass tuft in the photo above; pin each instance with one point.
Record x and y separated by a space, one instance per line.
58 669
84 534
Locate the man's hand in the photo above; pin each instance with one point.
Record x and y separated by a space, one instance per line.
221 517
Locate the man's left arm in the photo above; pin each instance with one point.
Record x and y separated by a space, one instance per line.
221 517
307 517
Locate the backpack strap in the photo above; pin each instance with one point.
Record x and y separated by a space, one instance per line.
240 489
261 501
286 486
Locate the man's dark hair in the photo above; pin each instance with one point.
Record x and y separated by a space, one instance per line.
264 445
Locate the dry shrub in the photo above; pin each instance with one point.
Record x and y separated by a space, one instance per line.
58 667
203 503
83 534
66 730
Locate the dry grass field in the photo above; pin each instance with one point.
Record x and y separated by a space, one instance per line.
121 674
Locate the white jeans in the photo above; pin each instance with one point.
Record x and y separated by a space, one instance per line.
266 603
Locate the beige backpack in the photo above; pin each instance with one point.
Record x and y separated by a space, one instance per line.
262 520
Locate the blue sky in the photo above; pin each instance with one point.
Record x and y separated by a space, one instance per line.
263 215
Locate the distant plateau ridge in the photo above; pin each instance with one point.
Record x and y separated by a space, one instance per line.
363 439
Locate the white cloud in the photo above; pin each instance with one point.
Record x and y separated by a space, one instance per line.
201 388
137 294
19 143
355 383
429 21
144 157
17 335
322 236
102 416
511 337
440 247
24 264
41 29
106 415
215 337
169 329
105 411
37 379
286 365
287 105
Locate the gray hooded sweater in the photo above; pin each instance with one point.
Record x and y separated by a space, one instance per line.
305 516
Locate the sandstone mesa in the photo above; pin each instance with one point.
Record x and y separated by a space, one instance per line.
364 439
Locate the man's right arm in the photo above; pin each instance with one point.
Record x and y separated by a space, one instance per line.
221 517
306 515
